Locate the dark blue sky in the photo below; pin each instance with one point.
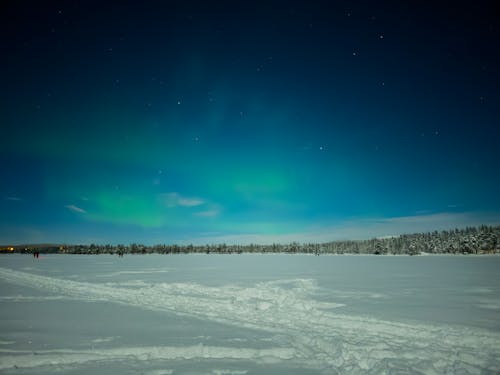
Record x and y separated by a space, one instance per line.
196 121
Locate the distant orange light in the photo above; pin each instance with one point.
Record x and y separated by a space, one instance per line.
10 248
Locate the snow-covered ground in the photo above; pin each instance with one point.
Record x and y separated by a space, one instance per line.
249 314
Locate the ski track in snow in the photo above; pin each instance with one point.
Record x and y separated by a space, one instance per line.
307 332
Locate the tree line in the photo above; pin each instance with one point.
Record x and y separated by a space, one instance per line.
471 240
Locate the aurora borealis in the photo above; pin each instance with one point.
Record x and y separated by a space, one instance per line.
191 121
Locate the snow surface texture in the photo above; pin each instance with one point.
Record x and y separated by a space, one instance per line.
307 333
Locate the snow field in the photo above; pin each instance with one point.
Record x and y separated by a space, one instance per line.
305 331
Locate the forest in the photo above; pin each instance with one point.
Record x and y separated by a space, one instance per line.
471 240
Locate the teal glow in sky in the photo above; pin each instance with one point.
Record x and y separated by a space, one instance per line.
183 122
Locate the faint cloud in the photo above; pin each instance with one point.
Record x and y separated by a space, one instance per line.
190 202
423 212
358 229
207 213
74 208
175 199
13 234
211 210
368 228
13 199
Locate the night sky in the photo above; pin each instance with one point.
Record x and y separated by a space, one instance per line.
246 121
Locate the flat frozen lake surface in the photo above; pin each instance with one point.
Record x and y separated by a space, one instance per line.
249 314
